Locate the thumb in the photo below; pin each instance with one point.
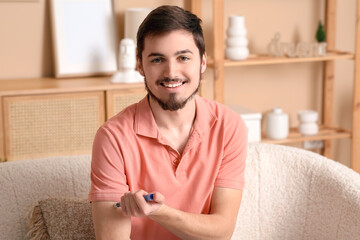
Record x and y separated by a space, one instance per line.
158 197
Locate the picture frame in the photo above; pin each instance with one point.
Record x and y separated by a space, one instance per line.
84 37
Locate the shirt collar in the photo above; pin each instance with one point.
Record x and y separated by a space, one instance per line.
205 117
145 124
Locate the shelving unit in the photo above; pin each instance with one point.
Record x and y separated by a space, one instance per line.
327 130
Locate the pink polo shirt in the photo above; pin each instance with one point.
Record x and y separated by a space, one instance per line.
129 153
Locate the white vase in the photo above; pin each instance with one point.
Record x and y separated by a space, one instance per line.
277 124
308 122
236 32
237 53
236 41
236 21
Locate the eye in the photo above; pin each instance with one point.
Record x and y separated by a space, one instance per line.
156 60
184 58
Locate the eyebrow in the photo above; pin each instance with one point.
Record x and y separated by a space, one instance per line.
155 54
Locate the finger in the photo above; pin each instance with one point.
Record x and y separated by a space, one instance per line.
123 205
127 203
158 197
134 208
140 201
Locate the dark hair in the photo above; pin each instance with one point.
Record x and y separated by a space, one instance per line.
169 18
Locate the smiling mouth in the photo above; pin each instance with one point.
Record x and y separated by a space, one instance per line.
171 85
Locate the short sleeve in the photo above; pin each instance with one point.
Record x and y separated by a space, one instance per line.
108 179
232 168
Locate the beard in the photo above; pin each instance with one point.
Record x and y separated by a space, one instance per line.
172 104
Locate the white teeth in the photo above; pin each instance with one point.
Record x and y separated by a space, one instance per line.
172 85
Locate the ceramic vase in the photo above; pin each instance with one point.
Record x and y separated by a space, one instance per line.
308 122
236 41
277 124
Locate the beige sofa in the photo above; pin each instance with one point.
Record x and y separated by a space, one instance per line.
290 194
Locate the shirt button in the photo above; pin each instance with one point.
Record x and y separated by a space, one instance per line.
175 161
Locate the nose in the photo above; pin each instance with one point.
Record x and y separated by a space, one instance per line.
171 69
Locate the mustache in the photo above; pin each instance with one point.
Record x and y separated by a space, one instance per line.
166 80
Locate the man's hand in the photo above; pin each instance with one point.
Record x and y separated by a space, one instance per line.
133 204
217 225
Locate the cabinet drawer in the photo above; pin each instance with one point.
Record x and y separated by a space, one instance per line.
51 125
117 100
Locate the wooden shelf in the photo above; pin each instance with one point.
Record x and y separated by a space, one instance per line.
258 59
325 133
10 87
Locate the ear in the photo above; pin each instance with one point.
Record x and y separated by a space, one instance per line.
140 67
203 63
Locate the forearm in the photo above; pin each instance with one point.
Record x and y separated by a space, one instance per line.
218 224
194 226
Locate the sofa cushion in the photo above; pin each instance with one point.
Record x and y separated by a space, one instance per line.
61 219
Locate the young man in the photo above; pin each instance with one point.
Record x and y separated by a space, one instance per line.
187 151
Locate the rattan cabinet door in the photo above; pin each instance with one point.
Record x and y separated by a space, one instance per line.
117 100
51 125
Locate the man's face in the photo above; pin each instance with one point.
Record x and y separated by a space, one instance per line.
172 68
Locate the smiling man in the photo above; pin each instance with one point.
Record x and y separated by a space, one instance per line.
187 152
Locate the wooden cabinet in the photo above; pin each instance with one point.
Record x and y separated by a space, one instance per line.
328 132
55 117
51 124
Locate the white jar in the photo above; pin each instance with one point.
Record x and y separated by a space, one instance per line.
277 124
